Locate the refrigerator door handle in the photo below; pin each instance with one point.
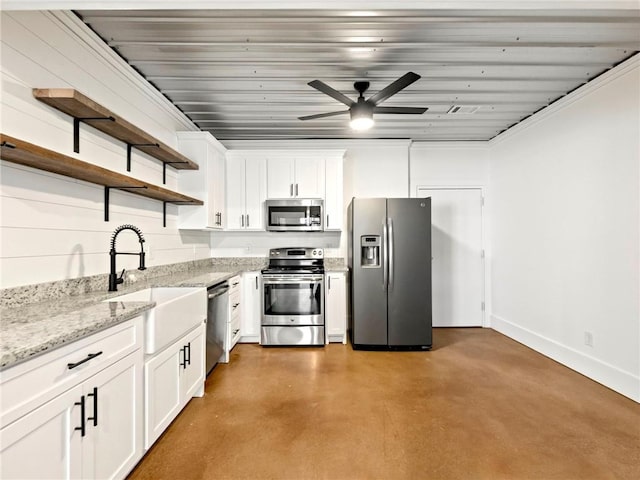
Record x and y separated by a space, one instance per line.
385 265
390 253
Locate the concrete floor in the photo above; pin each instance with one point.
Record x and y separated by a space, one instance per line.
478 406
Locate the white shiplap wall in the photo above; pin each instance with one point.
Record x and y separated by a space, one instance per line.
52 227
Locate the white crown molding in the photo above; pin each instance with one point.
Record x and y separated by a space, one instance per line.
364 6
314 144
200 135
426 145
587 89
101 50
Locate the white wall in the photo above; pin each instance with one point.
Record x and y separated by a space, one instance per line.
448 164
565 230
52 227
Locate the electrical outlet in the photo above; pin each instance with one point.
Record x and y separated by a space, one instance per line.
588 339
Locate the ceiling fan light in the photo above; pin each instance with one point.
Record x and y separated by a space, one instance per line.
361 124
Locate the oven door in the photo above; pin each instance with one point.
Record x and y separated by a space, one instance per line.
292 300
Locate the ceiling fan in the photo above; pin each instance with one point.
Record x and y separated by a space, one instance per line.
362 110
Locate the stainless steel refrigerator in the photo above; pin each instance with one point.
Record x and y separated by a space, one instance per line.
389 257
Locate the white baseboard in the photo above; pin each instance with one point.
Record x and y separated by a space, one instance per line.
612 377
249 339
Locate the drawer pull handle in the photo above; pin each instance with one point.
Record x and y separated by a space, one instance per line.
77 364
95 406
235 305
82 427
236 331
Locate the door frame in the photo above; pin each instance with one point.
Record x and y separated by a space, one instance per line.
483 239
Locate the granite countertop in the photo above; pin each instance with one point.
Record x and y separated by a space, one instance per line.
36 328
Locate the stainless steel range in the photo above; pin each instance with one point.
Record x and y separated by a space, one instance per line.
293 298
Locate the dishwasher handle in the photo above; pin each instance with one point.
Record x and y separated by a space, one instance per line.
216 292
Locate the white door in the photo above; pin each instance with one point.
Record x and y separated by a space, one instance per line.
309 178
458 263
45 442
335 307
113 443
235 193
251 307
255 193
280 182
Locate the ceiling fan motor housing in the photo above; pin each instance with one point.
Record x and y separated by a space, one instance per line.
361 109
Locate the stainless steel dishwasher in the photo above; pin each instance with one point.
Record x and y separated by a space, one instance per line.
217 318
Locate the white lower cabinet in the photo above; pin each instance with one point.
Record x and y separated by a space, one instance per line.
47 434
172 378
251 307
88 422
113 443
335 307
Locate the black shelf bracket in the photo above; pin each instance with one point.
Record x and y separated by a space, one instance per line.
106 198
131 145
76 129
164 170
164 209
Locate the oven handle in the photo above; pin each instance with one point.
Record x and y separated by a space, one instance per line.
279 280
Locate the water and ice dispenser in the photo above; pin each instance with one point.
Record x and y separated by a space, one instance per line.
370 251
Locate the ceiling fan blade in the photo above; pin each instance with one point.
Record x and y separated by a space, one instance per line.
324 88
415 110
393 88
322 115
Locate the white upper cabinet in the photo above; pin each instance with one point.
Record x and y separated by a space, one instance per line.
295 174
207 183
246 190
333 202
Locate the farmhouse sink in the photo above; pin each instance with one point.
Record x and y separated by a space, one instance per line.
177 310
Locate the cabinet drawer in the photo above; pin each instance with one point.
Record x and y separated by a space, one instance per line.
234 305
234 285
234 331
34 382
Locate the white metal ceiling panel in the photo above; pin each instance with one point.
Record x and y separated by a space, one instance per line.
243 74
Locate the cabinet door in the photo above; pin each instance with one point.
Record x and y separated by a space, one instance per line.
162 392
336 307
44 443
333 206
255 193
251 307
309 178
280 177
192 376
235 193
113 444
217 180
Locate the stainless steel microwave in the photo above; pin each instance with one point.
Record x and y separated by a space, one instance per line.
295 215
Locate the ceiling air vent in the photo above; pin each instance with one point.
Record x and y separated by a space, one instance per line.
462 109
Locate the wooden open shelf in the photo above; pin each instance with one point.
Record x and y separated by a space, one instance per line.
85 110
25 153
